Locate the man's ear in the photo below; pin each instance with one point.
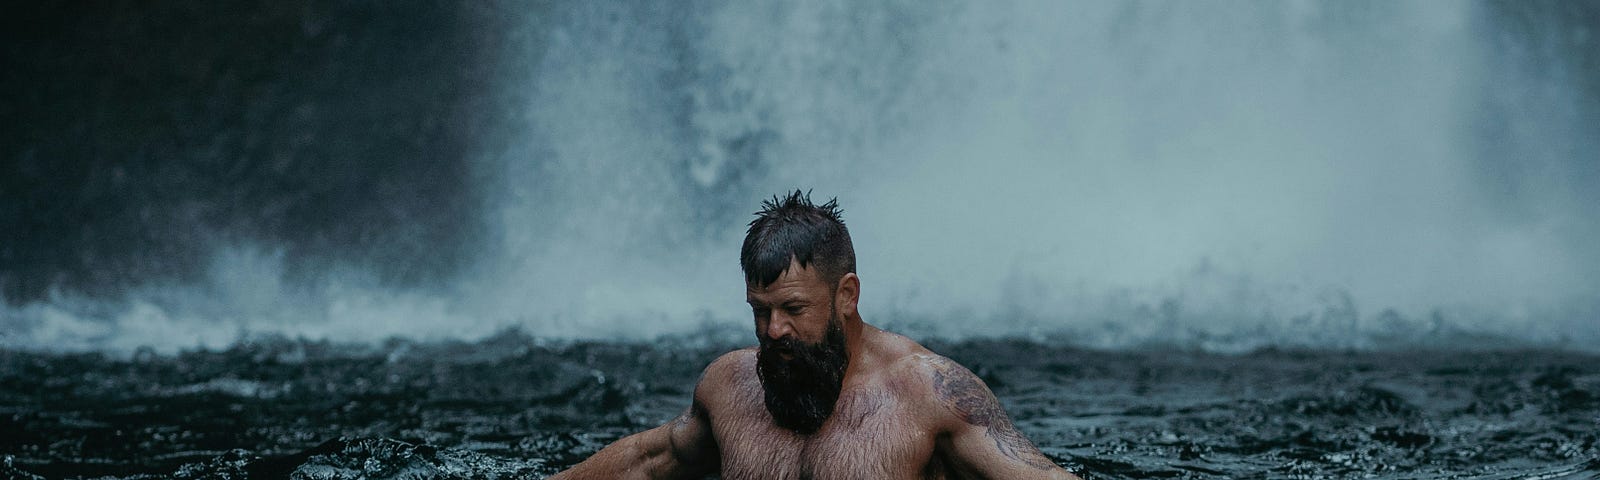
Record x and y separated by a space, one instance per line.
848 295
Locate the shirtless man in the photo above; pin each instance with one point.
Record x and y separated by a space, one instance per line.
824 395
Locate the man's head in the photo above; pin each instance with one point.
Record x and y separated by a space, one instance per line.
799 269
793 228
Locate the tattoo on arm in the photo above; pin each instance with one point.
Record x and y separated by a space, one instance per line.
970 400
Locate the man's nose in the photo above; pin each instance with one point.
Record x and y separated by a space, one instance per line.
780 326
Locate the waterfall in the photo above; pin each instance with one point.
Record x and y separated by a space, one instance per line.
1223 175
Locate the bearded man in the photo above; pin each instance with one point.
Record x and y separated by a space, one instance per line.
824 395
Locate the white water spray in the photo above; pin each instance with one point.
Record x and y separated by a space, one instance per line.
1227 176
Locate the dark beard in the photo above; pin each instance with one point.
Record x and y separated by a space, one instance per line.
800 392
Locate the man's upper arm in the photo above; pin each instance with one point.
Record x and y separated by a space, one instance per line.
976 434
692 443
689 437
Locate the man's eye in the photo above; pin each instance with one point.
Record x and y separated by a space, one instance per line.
793 310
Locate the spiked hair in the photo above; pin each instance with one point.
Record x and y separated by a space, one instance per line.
792 227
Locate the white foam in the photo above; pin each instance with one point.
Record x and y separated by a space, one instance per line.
1297 173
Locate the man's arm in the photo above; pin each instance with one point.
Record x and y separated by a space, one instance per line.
682 448
977 436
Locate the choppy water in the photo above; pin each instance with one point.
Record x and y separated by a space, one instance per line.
513 406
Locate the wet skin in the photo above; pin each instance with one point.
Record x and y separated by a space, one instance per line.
903 411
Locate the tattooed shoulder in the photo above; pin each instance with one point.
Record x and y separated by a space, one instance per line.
964 394
960 391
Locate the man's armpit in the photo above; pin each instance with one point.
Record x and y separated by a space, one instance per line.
964 395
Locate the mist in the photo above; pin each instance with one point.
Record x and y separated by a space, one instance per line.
1223 176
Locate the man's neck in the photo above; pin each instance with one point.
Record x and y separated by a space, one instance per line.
857 344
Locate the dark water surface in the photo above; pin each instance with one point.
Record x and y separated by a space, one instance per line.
513 406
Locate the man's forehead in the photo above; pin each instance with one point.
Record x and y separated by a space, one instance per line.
792 282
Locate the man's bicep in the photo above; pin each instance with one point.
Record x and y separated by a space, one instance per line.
997 451
980 436
690 438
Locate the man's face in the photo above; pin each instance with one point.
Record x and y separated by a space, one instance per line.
802 358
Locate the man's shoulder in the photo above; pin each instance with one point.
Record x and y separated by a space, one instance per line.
730 365
910 364
924 372
943 390
728 375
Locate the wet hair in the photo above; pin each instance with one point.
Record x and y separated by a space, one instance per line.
793 227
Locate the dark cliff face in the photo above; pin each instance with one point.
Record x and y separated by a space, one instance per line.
139 137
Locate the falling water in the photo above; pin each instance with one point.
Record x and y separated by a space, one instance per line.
1226 176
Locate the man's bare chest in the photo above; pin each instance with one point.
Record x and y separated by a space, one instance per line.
870 435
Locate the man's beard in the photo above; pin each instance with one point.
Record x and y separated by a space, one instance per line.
800 392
